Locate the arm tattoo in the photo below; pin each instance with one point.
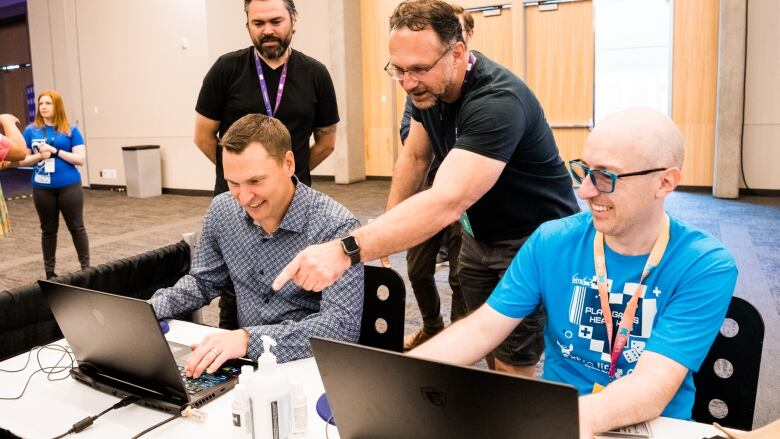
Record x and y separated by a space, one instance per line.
325 130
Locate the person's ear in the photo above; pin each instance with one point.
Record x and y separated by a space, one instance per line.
288 163
670 178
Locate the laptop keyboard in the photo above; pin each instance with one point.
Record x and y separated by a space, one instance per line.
196 385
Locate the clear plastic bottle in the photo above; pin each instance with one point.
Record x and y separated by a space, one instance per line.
298 407
270 396
242 413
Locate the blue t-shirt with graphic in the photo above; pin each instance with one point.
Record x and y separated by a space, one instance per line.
678 316
64 173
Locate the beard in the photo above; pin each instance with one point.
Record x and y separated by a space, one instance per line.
275 51
424 97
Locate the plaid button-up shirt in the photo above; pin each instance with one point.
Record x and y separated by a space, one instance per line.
233 246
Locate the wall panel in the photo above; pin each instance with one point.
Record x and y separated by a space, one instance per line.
694 93
559 66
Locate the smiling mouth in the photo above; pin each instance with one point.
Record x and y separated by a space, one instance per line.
599 208
255 205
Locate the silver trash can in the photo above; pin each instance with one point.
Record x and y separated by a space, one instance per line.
142 170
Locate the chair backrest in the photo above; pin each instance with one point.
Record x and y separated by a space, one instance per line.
727 381
382 325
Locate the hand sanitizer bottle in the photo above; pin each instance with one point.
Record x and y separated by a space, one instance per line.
270 396
299 421
242 413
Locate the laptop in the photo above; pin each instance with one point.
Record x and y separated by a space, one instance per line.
121 350
381 394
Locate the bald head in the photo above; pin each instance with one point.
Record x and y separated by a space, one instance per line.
649 137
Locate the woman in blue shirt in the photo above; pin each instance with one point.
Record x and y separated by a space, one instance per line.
56 148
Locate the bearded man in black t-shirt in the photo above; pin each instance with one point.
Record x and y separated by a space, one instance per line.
273 79
501 174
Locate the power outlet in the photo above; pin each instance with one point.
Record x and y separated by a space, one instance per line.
108 173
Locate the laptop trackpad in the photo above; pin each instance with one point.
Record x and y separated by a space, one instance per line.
181 353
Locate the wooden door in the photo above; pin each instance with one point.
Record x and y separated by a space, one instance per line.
559 66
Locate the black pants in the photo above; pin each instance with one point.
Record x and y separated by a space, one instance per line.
49 203
480 268
421 266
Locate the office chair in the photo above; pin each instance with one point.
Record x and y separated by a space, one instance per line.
727 381
382 325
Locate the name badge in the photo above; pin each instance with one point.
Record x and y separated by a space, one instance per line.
48 165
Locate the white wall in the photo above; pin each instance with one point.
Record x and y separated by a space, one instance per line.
761 141
130 73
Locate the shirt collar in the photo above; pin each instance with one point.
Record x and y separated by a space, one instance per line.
296 217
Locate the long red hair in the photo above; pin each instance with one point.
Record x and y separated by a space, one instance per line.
61 123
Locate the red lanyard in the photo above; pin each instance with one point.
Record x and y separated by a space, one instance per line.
627 322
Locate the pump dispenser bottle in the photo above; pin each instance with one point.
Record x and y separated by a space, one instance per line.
242 413
270 392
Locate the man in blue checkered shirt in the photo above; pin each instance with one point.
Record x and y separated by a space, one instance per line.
248 236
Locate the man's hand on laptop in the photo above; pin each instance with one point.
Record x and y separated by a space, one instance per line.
215 349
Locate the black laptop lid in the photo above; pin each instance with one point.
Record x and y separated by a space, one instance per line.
117 336
381 394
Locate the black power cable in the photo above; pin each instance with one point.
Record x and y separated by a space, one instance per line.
86 422
178 415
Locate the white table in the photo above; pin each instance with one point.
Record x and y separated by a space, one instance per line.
50 408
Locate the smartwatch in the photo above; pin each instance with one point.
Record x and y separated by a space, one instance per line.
351 248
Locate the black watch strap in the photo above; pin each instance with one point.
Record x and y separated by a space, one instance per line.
351 248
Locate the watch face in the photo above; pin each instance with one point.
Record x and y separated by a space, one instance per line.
350 244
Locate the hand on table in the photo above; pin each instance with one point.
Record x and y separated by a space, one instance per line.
315 268
215 349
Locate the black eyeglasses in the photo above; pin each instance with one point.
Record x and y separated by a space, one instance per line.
415 72
602 180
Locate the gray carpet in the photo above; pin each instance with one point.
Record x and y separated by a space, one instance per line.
119 226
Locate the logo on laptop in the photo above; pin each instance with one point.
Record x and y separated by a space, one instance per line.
434 396
99 316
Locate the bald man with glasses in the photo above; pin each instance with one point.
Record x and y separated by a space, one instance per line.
634 298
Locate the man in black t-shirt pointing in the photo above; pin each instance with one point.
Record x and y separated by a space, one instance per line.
270 78
500 174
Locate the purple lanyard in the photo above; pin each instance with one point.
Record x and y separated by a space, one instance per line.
264 86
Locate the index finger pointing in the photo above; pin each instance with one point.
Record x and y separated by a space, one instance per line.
287 273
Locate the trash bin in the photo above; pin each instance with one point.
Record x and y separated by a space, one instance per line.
142 170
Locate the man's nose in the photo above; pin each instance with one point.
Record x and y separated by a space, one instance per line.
244 196
408 82
587 190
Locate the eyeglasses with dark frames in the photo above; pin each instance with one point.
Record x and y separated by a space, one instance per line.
603 181
415 72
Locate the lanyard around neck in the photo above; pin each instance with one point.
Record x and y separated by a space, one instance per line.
264 85
627 321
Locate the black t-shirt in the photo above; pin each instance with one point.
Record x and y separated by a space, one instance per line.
231 90
499 117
